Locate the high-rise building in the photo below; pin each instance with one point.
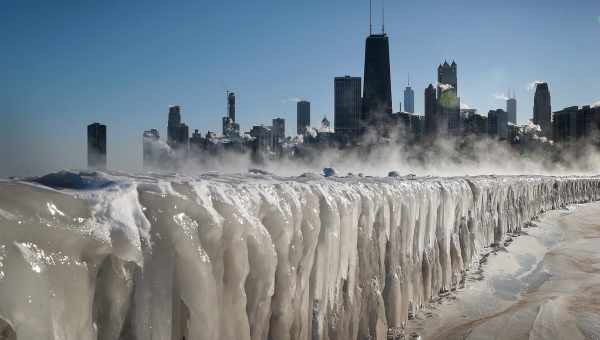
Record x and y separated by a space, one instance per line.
448 108
447 74
173 124
96 146
347 106
542 109
498 124
431 127
409 98
150 148
302 116
278 131
511 110
231 105
178 133
377 91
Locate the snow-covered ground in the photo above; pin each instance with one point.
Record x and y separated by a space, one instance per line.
253 256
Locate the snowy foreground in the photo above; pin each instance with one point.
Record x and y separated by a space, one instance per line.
248 257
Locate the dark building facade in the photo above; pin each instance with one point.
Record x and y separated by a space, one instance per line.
431 124
347 106
377 90
302 116
173 124
96 146
448 102
409 100
231 105
542 109
498 124
511 110
178 133
573 123
278 133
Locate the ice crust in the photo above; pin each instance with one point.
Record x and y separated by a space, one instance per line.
249 256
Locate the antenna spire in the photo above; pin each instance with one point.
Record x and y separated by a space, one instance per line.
408 78
370 17
383 16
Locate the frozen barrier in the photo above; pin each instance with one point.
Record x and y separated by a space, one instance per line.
250 256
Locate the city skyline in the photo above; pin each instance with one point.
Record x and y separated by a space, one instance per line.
143 111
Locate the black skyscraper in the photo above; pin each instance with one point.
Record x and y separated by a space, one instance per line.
173 124
377 91
177 132
542 109
303 116
231 106
431 128
347 108
96 136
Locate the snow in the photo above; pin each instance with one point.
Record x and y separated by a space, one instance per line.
252 256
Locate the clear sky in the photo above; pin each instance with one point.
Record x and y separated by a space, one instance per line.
65 64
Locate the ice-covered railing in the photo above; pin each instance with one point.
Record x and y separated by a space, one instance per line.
248 257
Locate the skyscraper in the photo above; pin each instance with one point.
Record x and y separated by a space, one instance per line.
96 146
173 124
498 123
150 148
409 99
431 127
377 91
229 126
278 131
302 116
448 108
178 133
511 109
347 106
542 109
231 105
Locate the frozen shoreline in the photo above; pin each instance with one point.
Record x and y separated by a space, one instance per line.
249 256
544 285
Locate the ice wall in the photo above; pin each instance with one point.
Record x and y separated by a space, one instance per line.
247 257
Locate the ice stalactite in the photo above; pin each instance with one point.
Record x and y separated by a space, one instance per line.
249 257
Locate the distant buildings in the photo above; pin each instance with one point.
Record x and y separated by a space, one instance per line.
448 102
149 145
230 128
178 133
573 123
542 109
231 106
302 116
347 106
498 124
431 117
409 99
511 110
96 146
377 91
278 131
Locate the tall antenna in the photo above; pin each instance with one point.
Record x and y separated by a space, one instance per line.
409 79
370 17
382 16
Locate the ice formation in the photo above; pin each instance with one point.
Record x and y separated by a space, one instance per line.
99 256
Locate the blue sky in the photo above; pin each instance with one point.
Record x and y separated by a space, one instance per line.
66 64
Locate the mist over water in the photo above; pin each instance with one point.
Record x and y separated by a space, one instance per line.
442 157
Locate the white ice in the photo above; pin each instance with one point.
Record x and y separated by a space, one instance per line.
249 256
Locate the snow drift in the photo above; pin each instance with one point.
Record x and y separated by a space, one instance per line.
106 256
